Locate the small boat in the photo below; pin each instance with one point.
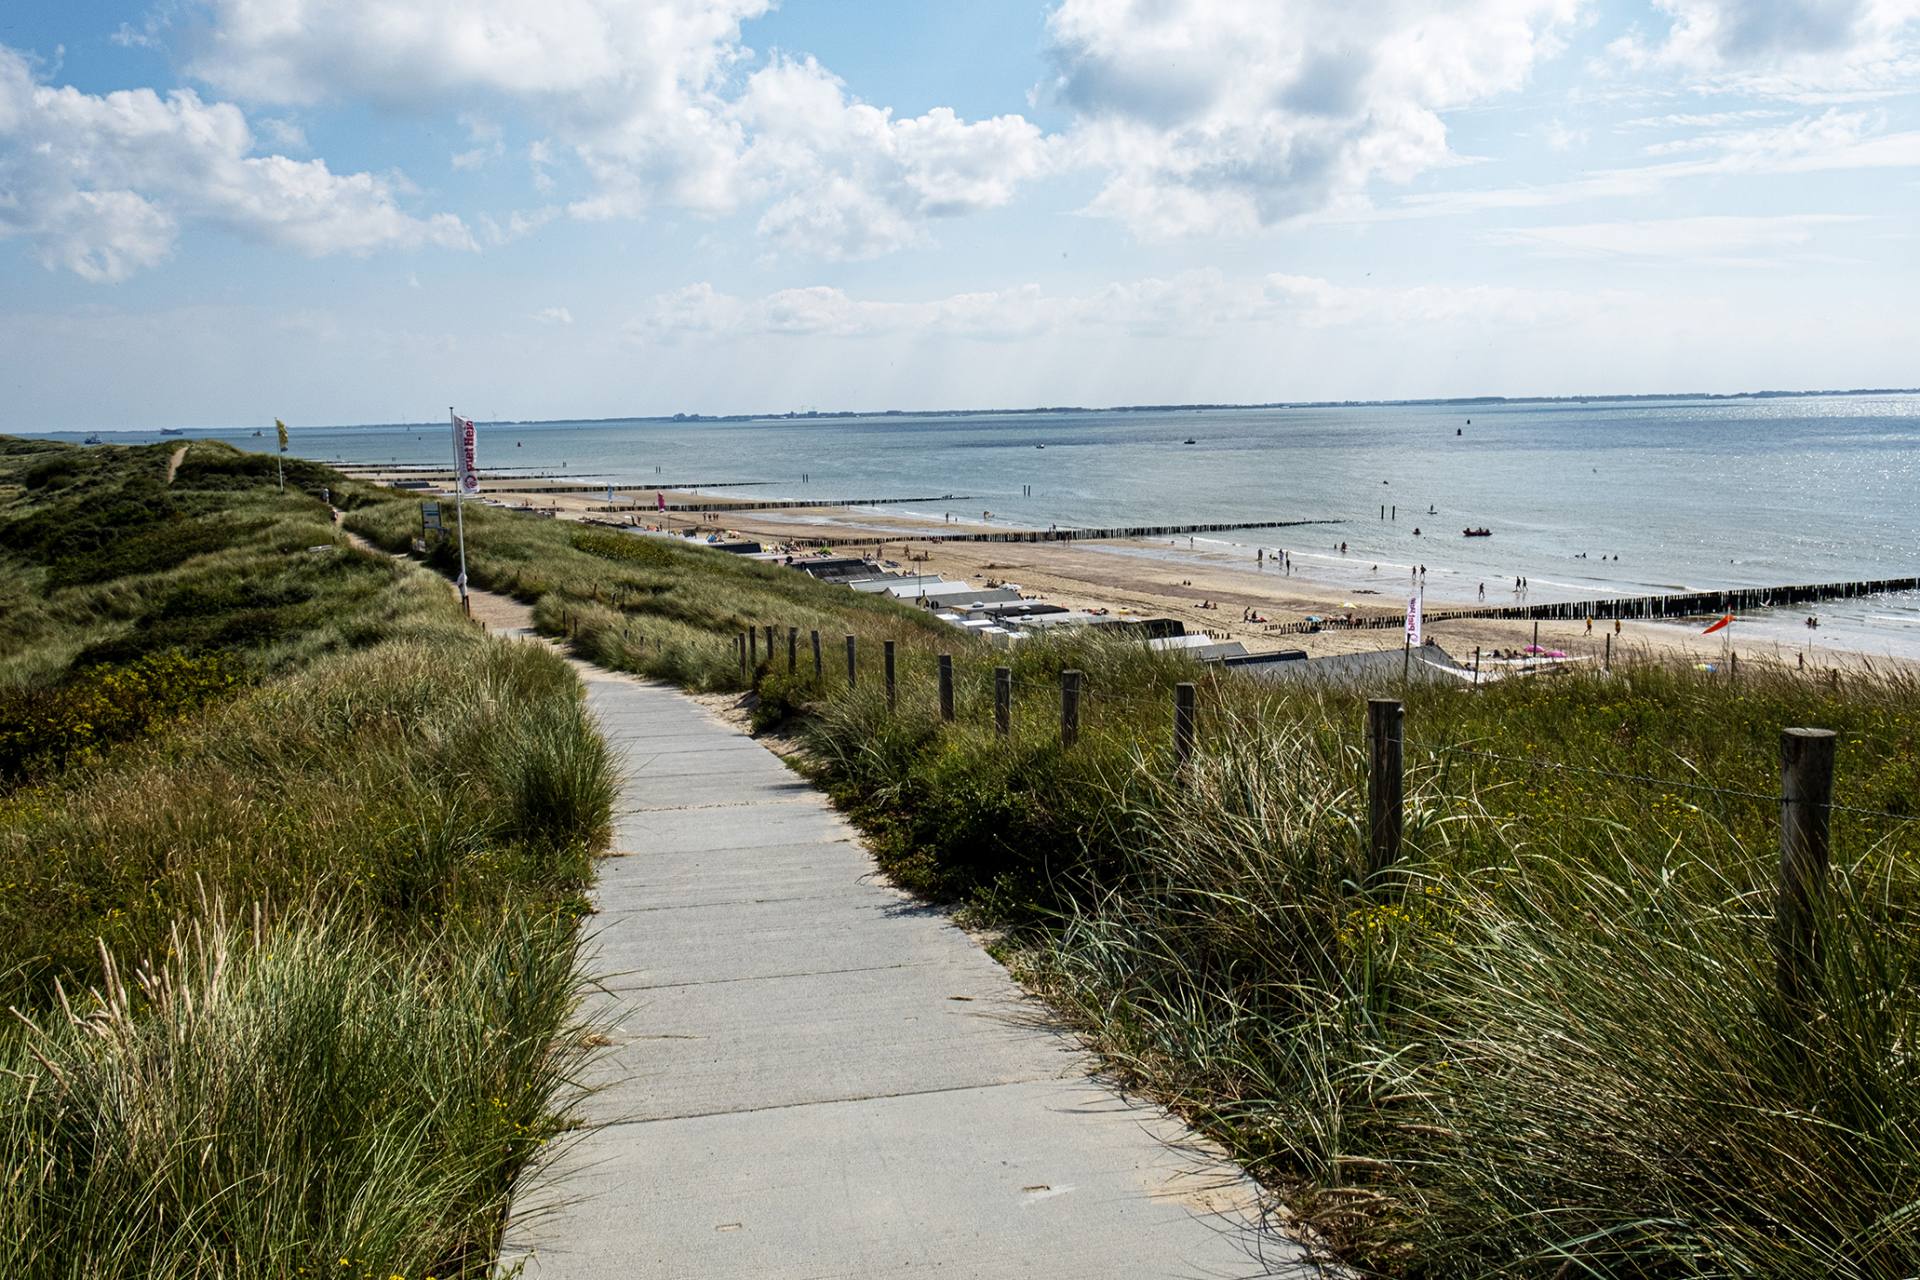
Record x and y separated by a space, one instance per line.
93 439
171 431
1476 533
1039 446
258 434
1190 440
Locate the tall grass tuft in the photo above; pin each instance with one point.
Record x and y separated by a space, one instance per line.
277 1097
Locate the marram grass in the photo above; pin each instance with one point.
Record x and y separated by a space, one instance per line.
1546 1044
291 859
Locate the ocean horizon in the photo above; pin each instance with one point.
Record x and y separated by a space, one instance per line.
1583 498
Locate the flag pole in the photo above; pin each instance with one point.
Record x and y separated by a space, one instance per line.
460 510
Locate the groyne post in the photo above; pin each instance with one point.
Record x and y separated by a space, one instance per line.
946 687
1069 707
1183 724
1386 782
1003 700
1806 798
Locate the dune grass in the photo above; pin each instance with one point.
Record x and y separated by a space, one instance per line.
1547 1043
291 859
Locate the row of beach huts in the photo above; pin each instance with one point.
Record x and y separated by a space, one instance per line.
1004 615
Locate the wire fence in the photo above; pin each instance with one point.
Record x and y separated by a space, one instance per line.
1070 703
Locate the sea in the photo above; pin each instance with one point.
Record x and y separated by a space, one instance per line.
1582 499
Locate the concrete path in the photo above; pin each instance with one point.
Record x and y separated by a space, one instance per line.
810 1075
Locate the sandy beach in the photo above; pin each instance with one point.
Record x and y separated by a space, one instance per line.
1204 586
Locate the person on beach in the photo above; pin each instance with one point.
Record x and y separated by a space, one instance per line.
1589 625
1483 592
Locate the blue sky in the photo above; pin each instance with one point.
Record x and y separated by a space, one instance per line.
221 211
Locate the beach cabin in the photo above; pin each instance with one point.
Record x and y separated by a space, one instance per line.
951 594
1201 648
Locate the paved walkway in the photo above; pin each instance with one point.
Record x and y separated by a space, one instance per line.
810 1075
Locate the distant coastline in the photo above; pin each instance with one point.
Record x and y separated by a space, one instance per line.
829 415
820 415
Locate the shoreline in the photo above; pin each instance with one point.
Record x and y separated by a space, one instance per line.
1149 579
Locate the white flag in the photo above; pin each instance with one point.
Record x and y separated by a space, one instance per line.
466 468
1413 620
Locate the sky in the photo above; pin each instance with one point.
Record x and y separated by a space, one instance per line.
218 212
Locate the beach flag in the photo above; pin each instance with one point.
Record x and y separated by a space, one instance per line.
1726 621
281 428
465 454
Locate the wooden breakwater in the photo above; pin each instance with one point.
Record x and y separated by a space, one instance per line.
783 504
1089 535
1685 604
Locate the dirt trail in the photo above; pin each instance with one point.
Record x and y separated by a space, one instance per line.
498 613
174 460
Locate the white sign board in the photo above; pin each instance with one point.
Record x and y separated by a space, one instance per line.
1413 620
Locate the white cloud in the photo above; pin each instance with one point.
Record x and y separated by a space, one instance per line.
1216 115
1831 141
1187 306
100 184
553 315
1560 136
1715 240
647 95
850 181
285 134
1807 49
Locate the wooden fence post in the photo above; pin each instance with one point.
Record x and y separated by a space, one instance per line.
1003 700
818 669
853 675
793 650
1386 818
1806 795
886 647
946 687
769 644
1182 725
753 645
1069 707
1608 660
740 647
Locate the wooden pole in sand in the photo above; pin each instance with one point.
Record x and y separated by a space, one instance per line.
853 677
1386 818
1183 725
946 687
1069 707
1003 700
1806 797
